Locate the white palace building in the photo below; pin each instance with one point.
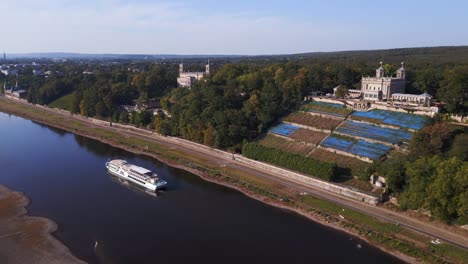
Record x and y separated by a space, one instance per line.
186 79
388 88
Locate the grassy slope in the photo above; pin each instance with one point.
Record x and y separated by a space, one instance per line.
272 141
63 102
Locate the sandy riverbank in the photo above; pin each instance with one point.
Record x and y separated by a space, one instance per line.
28 239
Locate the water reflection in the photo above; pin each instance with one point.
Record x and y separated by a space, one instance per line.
96 148
57 131
133 187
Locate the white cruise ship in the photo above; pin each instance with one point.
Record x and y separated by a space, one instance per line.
135 174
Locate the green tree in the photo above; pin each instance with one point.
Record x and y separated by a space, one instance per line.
390 69
453 90
100 109
394 172
419 176
209 135
460 147
75 103
123 117
442 193
341 91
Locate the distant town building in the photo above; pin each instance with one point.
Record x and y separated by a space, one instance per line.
186 79
15 91
152 105
37 72
55 73
135 70
9 71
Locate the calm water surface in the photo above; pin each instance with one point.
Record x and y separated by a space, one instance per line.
191 221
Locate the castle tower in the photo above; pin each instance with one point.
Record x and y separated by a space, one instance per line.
401 74
181 67
380 72
207 67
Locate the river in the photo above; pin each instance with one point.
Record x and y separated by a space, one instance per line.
191 221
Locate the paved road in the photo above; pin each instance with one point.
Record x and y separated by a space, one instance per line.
460 239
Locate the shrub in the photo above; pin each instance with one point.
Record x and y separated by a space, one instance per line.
323 170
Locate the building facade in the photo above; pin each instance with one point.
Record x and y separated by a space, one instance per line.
382 87
186 79
389 88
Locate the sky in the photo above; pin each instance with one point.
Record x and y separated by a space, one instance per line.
244 27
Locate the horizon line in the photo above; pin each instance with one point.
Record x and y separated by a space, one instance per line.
227 54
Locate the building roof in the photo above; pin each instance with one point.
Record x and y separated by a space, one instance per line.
140 170
426 95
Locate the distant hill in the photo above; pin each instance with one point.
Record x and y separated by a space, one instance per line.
424 55
432 55
65 55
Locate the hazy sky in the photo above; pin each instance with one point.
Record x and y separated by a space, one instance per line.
228 26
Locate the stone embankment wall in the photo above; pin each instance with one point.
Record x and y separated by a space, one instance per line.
326 100
309 181
340 118
416 110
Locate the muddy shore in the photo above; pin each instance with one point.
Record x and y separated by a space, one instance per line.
28 239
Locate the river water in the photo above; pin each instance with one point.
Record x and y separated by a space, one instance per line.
191 221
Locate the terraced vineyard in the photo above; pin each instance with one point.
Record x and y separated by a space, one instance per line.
360 139
354 165
337 110
399 119
312 120
284 129
358 147
309 136
272 141
363 130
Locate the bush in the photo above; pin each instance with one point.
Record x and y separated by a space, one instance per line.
323 170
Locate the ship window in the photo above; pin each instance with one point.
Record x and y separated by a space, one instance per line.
136 180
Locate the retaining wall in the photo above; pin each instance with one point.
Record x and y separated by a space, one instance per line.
309 181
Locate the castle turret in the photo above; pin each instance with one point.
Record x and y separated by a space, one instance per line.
401 74
181 67
380 72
